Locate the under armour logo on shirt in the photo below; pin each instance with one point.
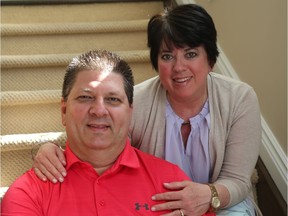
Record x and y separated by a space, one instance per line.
138 206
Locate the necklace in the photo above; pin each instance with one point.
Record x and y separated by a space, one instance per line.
186 123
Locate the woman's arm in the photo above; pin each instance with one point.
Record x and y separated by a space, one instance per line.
49 163
242 147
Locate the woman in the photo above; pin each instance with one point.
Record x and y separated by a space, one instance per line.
207 124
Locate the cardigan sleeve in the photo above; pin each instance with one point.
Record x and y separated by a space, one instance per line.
236 137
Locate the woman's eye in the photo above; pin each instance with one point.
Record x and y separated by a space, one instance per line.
191 54
166 57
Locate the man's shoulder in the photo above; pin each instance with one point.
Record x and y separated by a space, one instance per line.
160 168
152 160
27 185
28 181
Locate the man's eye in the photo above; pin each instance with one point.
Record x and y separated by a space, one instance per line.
85 98
113 100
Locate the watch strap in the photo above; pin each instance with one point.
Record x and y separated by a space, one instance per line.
215 201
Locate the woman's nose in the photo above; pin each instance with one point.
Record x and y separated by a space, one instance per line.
179 64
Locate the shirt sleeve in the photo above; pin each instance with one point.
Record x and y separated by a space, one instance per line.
22 198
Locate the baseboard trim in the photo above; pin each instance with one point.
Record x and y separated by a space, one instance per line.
271 152
274 159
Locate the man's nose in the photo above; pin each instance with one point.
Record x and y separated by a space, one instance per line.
98 108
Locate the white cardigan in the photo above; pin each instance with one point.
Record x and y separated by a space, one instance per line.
235 130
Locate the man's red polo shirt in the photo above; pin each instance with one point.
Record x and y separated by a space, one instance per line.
125 189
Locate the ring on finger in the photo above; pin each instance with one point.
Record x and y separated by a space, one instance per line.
181 212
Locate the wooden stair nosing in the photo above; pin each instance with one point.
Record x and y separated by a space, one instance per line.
20 61
16 98
73 28
16 142
57 2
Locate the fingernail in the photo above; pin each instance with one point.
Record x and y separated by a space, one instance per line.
44 179
153 198
64 174
61 179
153 209
54 180
64 162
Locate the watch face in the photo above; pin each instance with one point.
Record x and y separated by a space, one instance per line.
215 202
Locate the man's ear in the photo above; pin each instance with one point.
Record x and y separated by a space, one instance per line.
131 112
63 111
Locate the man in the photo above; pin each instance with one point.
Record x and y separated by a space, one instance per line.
106 175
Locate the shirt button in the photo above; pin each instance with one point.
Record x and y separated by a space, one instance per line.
102 203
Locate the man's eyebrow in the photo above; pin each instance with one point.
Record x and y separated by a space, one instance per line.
86 90
114 93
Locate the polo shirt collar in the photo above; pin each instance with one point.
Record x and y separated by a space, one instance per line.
127 158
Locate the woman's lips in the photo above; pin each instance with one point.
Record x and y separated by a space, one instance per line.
182 80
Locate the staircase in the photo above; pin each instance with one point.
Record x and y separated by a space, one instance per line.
38 42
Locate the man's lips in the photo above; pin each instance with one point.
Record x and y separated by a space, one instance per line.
98 126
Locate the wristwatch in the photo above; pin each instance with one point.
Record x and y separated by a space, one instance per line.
215 201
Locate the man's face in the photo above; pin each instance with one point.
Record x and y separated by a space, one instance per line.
97 113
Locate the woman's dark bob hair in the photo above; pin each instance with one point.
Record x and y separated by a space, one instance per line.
186 25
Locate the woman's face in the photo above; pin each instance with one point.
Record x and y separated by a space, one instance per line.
183 72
